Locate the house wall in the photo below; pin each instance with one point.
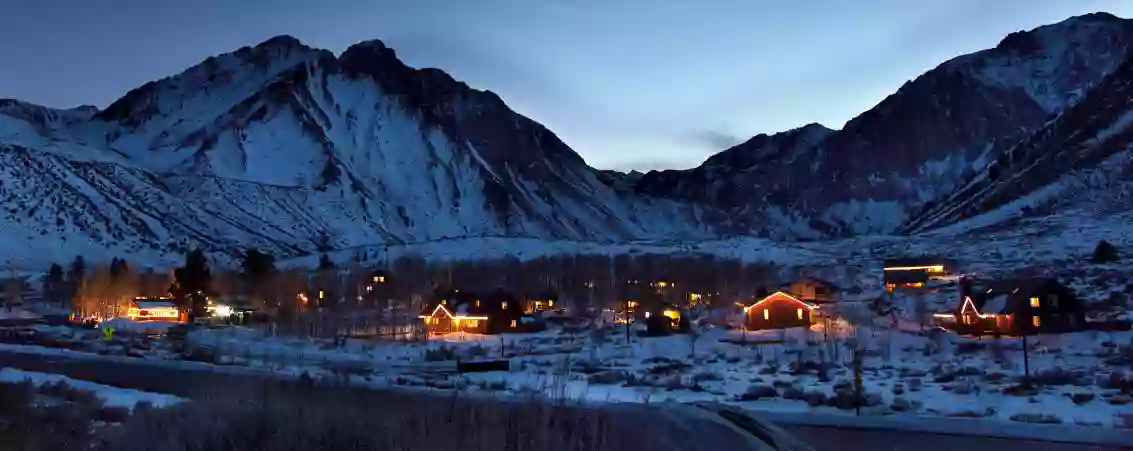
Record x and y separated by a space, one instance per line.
441 324
1059 311
782 313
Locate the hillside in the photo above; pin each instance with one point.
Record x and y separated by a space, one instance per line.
276 144
917 145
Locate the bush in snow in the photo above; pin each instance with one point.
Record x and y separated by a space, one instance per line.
1041 418
441 353
755 392
1104 252
606 377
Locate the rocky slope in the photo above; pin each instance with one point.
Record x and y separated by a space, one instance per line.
1082 159
276 144
915 146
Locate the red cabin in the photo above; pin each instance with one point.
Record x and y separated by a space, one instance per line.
779 311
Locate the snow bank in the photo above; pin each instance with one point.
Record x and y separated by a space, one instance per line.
111 396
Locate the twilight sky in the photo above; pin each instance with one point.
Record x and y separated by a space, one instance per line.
629 84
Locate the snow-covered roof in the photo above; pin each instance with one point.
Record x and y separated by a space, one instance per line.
154 303
996 304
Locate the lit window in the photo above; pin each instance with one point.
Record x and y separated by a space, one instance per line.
1035 321
473 322
1034 302
647 314
967 319
766 314
551 303
477 302
379 279
514 323
444 301
320 294
503 305
799 313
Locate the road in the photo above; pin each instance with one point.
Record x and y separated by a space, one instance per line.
191 384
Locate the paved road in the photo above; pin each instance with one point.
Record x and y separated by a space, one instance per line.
191 384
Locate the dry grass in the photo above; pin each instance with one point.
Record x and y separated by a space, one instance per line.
294 417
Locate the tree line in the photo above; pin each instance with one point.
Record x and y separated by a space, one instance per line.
583 280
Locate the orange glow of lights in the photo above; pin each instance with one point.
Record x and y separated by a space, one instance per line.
781 294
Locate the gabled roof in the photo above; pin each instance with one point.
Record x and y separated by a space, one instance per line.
464 303
1002 296
782 296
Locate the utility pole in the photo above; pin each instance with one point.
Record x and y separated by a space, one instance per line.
1026 360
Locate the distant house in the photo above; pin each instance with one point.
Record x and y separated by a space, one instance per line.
663 318
779 310
813 290
489 313
1016 307
914 272
541 302
156 309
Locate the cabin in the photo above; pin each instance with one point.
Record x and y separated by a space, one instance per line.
156 309
913 272
779 310
541 302
490 313
663 318
813 290
1016 307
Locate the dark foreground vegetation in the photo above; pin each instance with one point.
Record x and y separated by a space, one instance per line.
312 416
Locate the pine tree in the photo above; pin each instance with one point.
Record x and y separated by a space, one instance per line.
54 284
258 271
192 282
1104 253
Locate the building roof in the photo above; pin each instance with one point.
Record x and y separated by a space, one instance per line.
464 303
915 261
783 296
154 303
1002 296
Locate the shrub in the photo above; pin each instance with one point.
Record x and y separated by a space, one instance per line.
440 354
1104 252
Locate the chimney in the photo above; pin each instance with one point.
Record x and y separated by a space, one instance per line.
965 288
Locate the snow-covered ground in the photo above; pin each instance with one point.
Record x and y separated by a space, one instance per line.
110 396
797 371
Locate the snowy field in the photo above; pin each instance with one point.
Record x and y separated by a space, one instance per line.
1079 379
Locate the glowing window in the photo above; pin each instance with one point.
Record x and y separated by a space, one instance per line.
477 302
503 305
473 322
799 313
1035 321
444 301
514 323
766 314
1034 302
320 294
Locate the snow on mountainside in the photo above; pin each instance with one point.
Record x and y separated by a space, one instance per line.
1081 161
916 145
275 144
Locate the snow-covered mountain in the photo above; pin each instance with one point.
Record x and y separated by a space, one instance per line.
917 145
1082 159
276 144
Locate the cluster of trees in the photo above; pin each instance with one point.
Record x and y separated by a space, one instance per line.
585 280
101 290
